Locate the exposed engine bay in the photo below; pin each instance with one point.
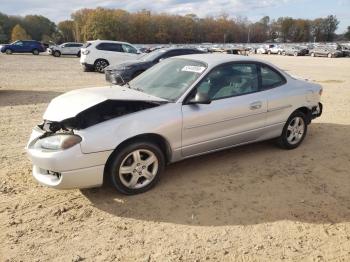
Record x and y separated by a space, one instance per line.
101 112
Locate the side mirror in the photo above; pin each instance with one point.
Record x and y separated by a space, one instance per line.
117 79
200 98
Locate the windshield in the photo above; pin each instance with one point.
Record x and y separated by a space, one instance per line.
153 55
169 79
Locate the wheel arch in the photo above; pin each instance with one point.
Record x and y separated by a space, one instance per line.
159 140
307 112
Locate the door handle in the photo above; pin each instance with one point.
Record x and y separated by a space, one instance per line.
255 105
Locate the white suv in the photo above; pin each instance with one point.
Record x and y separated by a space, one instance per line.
98 54
65 49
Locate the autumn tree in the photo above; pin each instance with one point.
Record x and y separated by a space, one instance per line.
67 30
38 26
347 34
18 33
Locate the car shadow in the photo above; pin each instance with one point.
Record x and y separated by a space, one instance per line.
253 184
25 97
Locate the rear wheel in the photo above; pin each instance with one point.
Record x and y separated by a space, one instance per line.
313 54
330 55
100 65
295 53
284 53
56 53
269 52
294 131
136 168
35 52
8 51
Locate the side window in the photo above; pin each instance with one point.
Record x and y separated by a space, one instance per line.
110 47
270 78
230 80
19 43
129 49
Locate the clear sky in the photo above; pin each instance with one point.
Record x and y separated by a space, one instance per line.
252 9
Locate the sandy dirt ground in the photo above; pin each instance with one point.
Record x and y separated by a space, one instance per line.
253 203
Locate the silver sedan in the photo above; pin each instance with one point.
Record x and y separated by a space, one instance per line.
180 108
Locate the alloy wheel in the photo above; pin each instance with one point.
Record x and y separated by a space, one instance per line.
138 169
295 130
101 65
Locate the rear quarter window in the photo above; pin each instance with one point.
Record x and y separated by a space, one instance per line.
270 78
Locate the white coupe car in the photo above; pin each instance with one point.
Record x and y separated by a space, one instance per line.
180 108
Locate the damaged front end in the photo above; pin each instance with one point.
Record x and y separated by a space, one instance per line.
101 112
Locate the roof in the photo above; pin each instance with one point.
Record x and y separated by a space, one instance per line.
216 59
107 41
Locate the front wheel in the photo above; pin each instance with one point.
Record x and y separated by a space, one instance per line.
294 131
56 53
8 51
136 168
330 55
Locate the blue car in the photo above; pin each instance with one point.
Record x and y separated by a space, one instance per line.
23 46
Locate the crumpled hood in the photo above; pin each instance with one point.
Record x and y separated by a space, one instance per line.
72 103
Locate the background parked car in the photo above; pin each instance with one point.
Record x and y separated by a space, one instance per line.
97 55
345 50
325 51
65 49
275 49
295 51
131 69
23 46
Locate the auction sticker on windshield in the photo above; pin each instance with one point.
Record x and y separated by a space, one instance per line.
194 69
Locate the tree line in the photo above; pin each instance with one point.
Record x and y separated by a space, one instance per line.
146 27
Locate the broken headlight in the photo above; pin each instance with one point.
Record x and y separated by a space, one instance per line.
59 141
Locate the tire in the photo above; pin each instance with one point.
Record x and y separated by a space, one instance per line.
294 131
136 182
269 52
56 53
100 65
78 55
8 51
313 54
284 53
330 55
279 53
295 53
35 52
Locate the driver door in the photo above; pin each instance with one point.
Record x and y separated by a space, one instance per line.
235 116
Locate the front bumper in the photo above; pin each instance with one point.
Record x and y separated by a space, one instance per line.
66 169
317 111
